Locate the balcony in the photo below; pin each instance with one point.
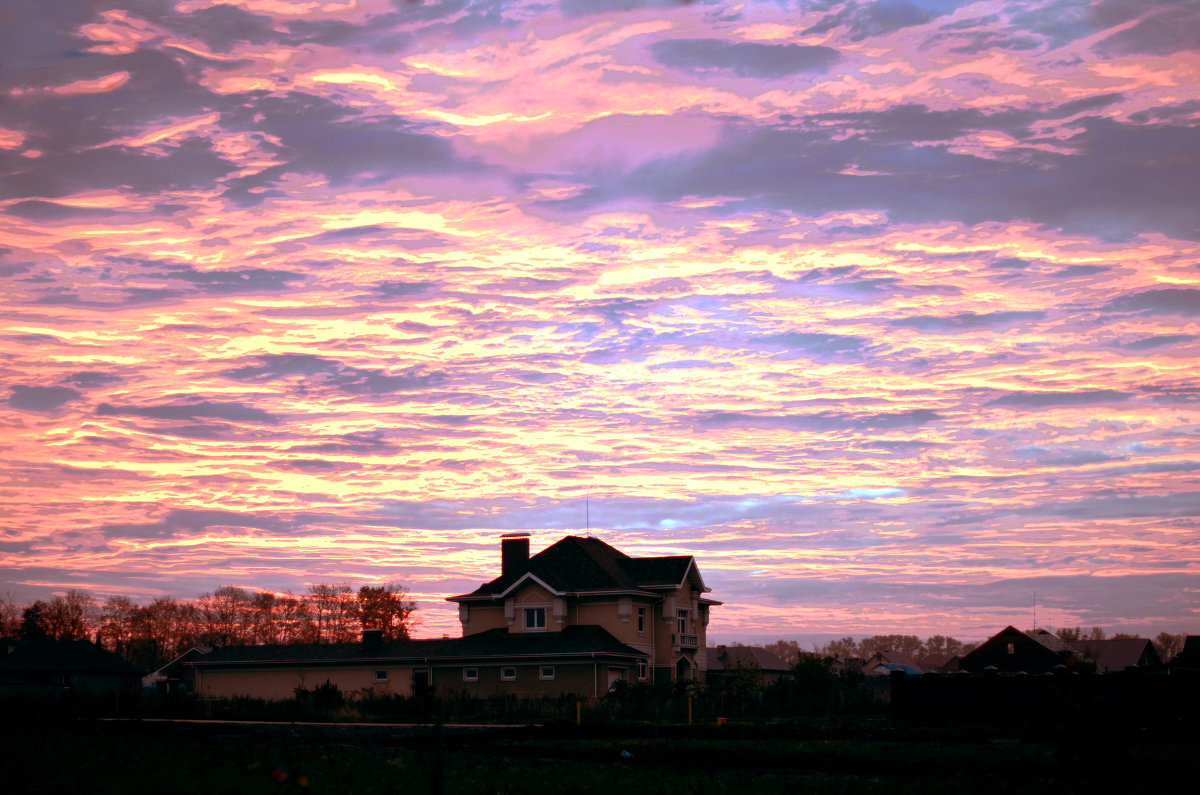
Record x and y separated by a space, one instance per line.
687 641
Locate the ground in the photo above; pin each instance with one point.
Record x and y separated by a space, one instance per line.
863 757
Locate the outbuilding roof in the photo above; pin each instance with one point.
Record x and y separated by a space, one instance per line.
68 656
498 644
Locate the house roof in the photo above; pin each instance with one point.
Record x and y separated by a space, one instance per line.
1117 654
893 658
1051 641
74 656
572 641
721 658
575 564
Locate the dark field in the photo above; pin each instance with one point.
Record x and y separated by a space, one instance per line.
856 756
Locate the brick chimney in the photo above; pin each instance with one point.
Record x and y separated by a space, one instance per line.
514 553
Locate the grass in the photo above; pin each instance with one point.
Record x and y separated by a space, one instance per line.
862 757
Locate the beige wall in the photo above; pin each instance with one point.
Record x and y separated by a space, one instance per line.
580 678
278 684
275 684
481 617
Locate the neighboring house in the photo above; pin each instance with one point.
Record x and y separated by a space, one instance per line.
845 665
725 660
176 676
575 618
883 663
655 605
1188 659
78 666
1010 650
1117 654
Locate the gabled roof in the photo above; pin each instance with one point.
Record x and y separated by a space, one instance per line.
1118 654
497 644
722 658
67 656
576 564
1051 641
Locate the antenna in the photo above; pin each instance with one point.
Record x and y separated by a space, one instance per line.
1035 610
587 514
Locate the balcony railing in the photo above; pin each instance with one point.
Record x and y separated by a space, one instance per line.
687 641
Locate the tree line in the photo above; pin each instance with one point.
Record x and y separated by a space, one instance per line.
943 648
152 634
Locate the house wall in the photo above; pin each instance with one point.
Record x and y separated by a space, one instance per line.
478 617
579 678
279 683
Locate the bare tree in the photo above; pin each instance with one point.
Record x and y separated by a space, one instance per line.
1168 644
333 612
117 622
10 616
70 617
1069 633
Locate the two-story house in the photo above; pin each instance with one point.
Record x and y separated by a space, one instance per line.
574 618
654 605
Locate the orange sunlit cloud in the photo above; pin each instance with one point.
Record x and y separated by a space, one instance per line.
889 313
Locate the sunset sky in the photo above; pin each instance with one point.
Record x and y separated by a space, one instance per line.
886 310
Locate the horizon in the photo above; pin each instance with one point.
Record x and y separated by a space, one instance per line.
887 312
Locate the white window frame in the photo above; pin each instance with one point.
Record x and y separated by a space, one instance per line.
682 616
643 670
641 621
505 676
535 611
381 676
470 674
546 673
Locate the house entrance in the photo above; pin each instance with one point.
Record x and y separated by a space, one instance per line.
420 683
683 668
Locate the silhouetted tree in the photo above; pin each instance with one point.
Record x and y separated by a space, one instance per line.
1168 644
117 617
69 617
333 612
33 622
1069 633
10 616
905 644
941 646
385 607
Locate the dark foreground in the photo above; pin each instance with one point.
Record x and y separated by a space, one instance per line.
858 756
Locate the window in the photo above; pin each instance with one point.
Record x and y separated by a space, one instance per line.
545 672
535 618
470 674
641 621
381 676
1012 648
508 674
683 617
643 670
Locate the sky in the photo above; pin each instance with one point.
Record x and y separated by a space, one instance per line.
888 311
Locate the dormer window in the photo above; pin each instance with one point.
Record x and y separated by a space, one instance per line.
535 618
